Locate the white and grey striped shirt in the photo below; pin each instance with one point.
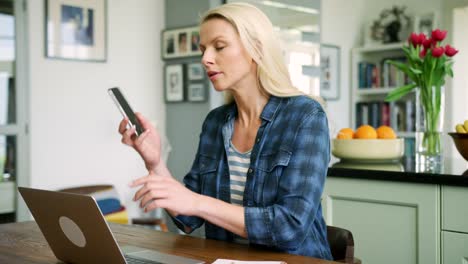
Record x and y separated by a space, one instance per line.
239 164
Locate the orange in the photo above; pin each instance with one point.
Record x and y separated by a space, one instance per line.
345 133
365 132
385 132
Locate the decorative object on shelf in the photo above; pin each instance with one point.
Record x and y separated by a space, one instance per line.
174 83
428 63
195 71
180 42
392 25
330 72
196 92
425 23
76 30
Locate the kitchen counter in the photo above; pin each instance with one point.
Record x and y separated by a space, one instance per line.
453 171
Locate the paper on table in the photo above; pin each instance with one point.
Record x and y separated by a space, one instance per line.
232 261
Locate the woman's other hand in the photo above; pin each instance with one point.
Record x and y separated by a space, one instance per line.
148 144
165 192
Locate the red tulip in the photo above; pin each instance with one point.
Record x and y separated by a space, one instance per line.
414 39
438 35
427 43
437 52
450 51
421 38
422 54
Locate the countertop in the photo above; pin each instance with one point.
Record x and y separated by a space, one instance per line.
453 171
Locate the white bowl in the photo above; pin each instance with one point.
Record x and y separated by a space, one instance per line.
368 149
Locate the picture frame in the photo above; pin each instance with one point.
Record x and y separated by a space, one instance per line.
180 42
196 92
174 83
76 30
425 23
195 71
329 72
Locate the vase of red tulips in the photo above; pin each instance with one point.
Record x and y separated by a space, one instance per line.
428 64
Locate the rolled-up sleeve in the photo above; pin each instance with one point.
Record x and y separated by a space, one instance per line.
287 223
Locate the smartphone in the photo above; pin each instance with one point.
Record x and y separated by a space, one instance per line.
125 109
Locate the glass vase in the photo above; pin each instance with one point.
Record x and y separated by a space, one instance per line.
430 107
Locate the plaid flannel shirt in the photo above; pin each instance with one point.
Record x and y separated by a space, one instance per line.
285 180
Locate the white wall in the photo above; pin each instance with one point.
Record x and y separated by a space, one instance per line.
74 139
459 86
339 27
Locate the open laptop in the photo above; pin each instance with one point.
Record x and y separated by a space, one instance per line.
76 231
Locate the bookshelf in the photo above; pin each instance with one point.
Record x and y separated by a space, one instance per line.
372 79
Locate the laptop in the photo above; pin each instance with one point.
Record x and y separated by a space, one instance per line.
77 232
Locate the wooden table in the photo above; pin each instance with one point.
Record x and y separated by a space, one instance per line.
24 243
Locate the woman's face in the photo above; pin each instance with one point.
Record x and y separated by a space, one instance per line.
227 63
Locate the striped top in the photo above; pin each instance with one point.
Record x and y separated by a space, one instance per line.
239 163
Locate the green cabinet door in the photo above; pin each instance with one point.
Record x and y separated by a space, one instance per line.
454 209
454 248
391 222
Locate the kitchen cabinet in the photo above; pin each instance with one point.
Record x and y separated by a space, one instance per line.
392 222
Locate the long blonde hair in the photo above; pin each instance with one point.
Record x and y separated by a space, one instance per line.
260 41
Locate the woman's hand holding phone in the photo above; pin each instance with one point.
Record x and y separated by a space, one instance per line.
148 144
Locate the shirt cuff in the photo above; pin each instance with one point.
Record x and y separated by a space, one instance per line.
259 226
182 221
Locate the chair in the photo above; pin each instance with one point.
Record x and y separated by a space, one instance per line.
109 203
341 245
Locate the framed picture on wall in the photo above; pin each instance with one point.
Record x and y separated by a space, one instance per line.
180 42
196 92
174 83
329 72
76 30
425 23
195 71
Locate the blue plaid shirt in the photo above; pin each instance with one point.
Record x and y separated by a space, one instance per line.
285 180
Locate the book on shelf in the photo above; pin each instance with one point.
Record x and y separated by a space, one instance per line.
398 115
381 74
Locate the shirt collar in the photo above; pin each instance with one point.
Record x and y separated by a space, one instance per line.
268 112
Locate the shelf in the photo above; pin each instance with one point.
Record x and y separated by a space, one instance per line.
406 134
374 91
380 48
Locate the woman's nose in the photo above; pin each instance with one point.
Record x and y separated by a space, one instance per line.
207 58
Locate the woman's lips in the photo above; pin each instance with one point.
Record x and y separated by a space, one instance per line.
213 75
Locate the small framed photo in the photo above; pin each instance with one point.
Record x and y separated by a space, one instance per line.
76 30
425 23
196 92
174 83
180 42
195 71
330 72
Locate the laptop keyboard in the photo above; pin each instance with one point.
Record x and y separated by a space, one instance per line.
136 260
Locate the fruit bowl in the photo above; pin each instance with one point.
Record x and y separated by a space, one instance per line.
368 150
461 142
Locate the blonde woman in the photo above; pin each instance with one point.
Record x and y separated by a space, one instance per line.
262 159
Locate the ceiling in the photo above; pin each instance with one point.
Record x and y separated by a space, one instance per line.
287 14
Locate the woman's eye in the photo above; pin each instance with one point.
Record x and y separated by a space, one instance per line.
219 48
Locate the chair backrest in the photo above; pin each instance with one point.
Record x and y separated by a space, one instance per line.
341 244
87 189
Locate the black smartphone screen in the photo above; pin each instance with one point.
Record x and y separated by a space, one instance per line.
125 109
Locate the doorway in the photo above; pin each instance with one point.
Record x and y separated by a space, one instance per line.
13 110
